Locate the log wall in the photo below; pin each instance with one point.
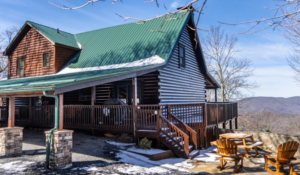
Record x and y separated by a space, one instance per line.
32 47
182 85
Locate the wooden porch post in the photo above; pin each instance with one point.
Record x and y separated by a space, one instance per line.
216 96
29 110
134 103
61 112
11 112
224 125
93 100
93 95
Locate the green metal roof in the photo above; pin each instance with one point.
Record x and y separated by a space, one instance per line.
51 82
128 42
108 46
62 37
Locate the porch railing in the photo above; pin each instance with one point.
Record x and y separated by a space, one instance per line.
106 117
202 118
221 112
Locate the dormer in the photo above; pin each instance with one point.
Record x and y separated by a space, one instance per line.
39 50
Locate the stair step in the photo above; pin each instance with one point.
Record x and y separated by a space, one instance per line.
175 138
193 154
164 129
171 133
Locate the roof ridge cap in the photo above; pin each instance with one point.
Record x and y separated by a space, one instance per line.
48 27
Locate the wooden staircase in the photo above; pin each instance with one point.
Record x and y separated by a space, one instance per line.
178 137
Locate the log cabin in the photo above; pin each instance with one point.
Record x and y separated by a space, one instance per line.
143 78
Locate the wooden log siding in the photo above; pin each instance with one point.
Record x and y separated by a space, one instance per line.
182 85
104 92
62 55
32 47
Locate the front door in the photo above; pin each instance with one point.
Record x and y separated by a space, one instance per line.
124 93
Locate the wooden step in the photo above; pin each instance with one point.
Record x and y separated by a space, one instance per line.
174 147
191 148
193 154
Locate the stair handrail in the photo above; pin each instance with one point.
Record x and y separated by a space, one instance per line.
179 132
192 133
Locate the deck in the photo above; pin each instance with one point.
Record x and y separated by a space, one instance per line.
140 120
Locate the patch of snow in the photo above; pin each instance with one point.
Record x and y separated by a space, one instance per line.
93 168
208 155
16 166
119 144
79 45
133 169
146 151
111 152
41 151
260 160
168 165
142 62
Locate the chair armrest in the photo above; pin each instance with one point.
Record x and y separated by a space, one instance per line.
272 157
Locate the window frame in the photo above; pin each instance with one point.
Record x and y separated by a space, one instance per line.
84 97
47 60
183 64
18 72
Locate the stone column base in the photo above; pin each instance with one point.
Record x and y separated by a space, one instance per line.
60 149
11 140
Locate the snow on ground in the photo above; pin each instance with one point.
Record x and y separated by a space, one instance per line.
143 164
16 166
142 62
146 151
208 155
119 144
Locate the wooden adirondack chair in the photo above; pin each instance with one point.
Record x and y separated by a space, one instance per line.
285 155
228 151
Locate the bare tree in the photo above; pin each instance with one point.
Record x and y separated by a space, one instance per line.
5 38
232 73
292 34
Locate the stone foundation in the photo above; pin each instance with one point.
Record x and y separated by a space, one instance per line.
270 140
11 140
60 149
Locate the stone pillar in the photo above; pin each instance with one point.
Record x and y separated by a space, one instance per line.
60 149
11 140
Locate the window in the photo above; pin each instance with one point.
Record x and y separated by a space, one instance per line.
124 93
85 94
20 66
181 56
45 59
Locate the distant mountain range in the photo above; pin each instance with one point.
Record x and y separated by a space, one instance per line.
270 104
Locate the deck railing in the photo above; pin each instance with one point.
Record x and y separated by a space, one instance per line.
104 117
190 114
221 112
202 118
3 116
147 116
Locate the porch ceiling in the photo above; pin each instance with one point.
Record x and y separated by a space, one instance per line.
59 81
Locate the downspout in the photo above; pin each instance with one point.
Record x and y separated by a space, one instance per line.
55 126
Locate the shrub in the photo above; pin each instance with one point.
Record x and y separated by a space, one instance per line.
266 130
145 143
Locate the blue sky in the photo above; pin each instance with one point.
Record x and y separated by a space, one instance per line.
267 49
